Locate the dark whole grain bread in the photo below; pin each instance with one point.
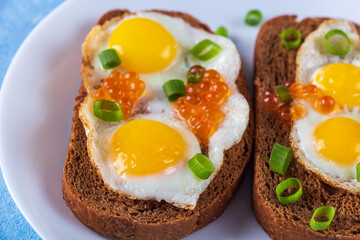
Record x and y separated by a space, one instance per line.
274 64
114 215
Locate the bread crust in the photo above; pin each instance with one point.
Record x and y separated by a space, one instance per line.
176 223
274 65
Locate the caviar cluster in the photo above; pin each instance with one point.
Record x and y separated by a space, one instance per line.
312 95
123 89
278 101
200 107
280 109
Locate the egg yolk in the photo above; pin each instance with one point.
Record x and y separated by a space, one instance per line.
144 46
338 140
340 81
143 147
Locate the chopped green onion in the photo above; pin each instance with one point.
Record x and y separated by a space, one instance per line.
174 89
283 93
281 187
328 211
253 17
205 50
201 166
294 43
338 47
358 172
109 58
195 74
107 111
222 31
280 158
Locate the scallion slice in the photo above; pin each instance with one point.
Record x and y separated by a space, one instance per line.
281 187
280 158
283 93
358 172
174 89
293 43
337 46
107 111
328 211
109 58
253 17
205 50
222 31
201 166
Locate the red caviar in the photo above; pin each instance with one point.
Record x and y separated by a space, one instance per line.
311 94
314 96
124 89
271 100
200 107
298 111
273 104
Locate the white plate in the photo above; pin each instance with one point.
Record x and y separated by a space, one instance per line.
37 99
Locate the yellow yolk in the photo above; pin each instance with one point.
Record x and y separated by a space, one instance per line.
142 147
338 140
144 46
340 81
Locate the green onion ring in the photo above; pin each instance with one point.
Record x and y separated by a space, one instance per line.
281 187
291 44
253 17
358 172
107 111
280 158
109 58
198 50
201 166
222 31
174 89
333 51
283 93
328 211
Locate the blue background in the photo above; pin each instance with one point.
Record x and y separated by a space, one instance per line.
17 19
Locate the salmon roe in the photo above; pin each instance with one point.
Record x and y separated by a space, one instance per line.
298 111
311 94
125 89
200 107
280 110
314 96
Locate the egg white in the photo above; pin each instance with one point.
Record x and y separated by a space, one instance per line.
180 188
311 56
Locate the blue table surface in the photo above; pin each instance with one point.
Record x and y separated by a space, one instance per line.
17 19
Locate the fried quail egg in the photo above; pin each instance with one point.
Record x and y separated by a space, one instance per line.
158 50
151 161
329 145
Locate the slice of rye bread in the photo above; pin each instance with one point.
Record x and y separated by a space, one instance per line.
113 215
274 64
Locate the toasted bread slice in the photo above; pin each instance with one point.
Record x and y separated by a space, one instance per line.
113 215
274 65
